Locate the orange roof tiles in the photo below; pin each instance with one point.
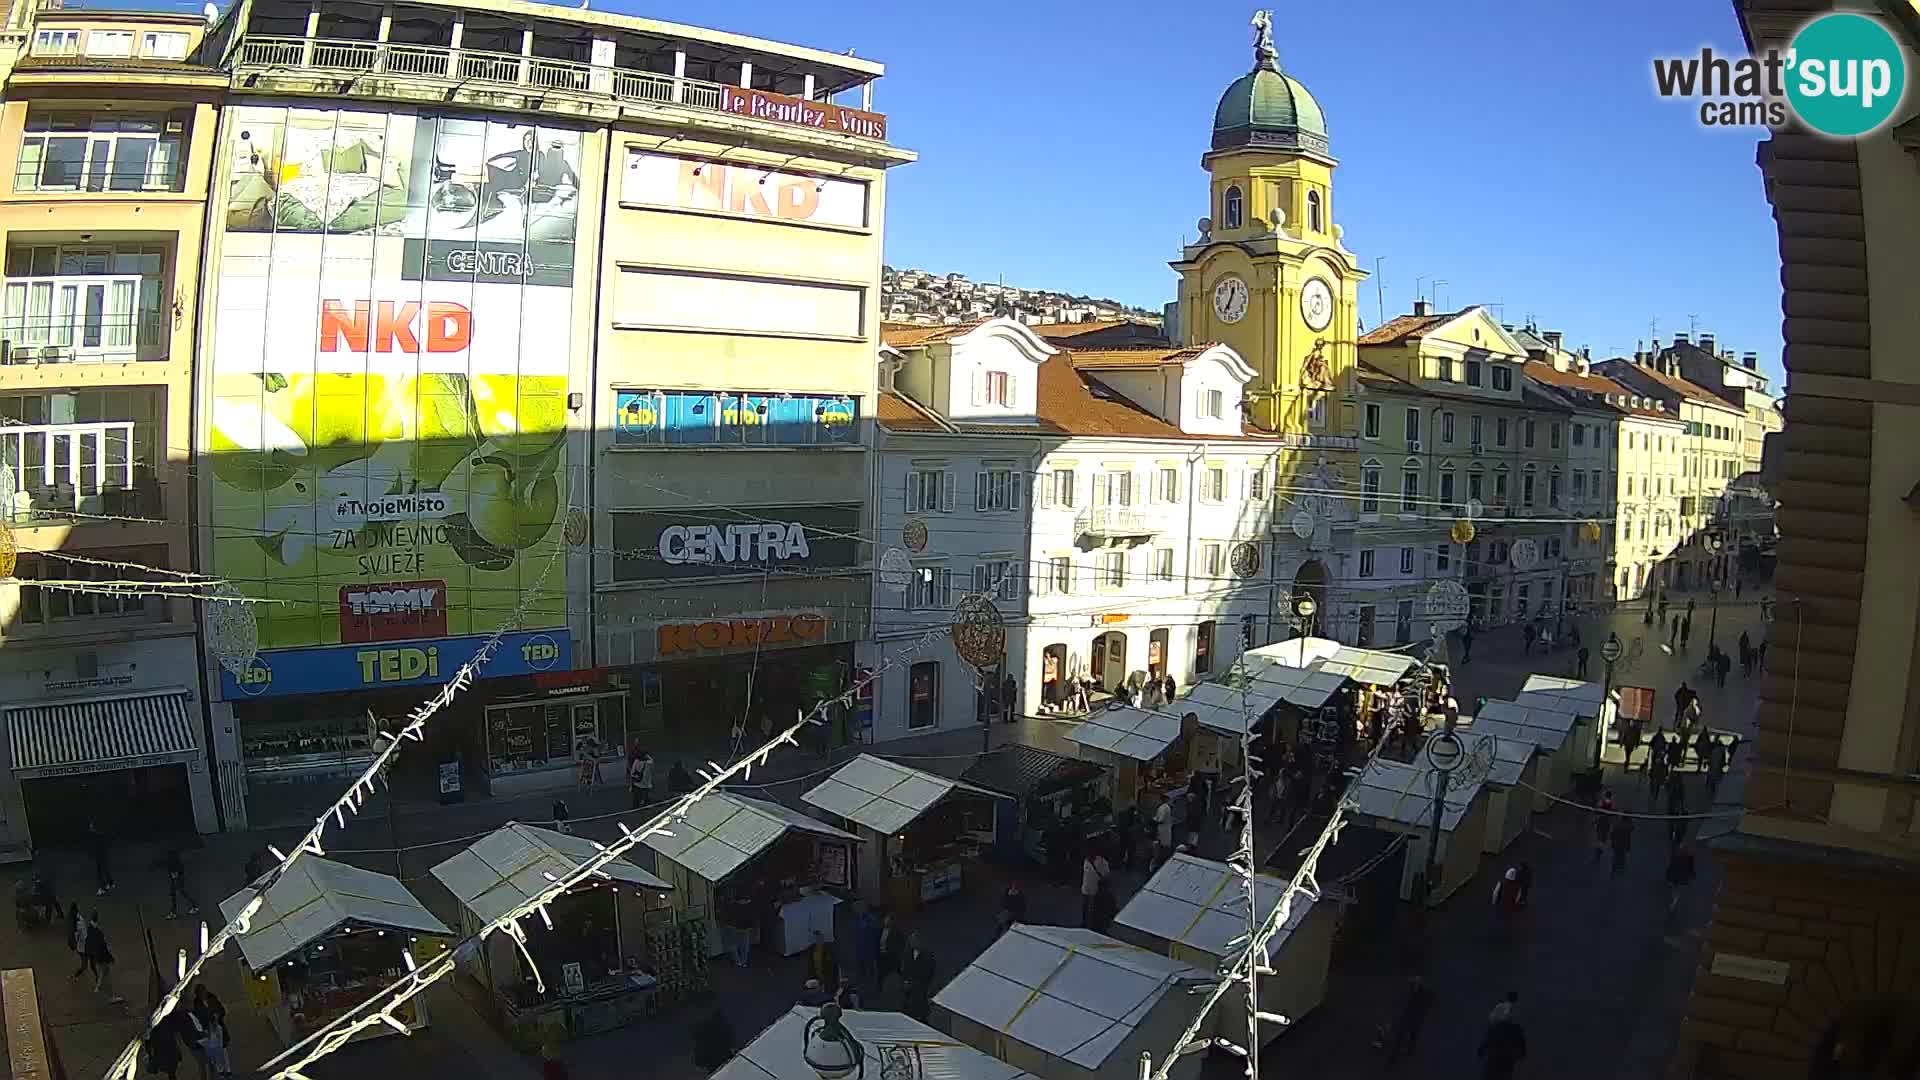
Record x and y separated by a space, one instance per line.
1071 401
898 412
1069 330
1676 384
1400 328
1096 359
910 335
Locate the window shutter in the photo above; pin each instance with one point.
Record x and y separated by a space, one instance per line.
980 490
1013 390
1014 498
979 387
980 577
946 492
1043 490
1099 489
913 493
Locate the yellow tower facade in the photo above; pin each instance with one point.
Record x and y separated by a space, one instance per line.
1269 274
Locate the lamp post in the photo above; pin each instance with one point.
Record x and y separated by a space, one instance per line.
1303 610
1610 651
1713 587
829 1049
1445 754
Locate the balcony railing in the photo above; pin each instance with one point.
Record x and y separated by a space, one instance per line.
61 469
86 318
1118 523
472 66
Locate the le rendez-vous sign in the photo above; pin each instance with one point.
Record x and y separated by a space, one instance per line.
781 108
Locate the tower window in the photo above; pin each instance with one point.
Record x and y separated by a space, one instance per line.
1233 208
1314 214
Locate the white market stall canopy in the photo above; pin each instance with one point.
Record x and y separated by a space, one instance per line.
1129 732
1068 992
1369 666
1507 731
1573 695
724 831
1508 756
1402 794
1227 709
1305 687
1550 719
896 1045
884 796
1295 652
318 896
511 865
1202 904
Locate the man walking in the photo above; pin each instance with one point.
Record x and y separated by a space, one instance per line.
1686 630
1721 665
1580 670
1680 872
1746 654
1504 1046
1526 640
101 958
1413 1014
1716 767
177 884
1702 749
1656 763
1681 697
640 780
1466 644
1621 841
1673 631
1676 809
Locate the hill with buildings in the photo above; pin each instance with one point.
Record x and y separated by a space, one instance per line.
910 295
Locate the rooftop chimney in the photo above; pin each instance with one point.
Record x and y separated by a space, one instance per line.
1679 339
1751 359
1706 342
1419 307
1553 339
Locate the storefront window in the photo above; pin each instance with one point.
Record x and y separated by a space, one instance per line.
1203 649
553 733
298 740
923 695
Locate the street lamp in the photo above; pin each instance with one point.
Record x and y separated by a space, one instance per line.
1713 586
1303 610
1444 753
829 1049
1610 651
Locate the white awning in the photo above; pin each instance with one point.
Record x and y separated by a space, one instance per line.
1308 688
1370 666
1403 795
1202 904
510 865
317 896
1573 695
883 795
723 831
1228 709
1065 991
1548 740
1508 758
905 1048
1130 732
1549 714
60 738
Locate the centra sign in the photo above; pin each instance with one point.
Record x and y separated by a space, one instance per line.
752 543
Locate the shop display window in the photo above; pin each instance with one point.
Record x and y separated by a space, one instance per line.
301 739
549 734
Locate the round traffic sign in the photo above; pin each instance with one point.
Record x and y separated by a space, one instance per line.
1444 751
1612 649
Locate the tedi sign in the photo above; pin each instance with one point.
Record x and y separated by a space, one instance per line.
752 543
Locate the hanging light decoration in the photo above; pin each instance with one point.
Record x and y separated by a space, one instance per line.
1591 530
9 550
233 634
1463 531
979 632
576 529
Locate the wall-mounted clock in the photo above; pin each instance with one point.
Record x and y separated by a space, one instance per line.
1230 299
1316 304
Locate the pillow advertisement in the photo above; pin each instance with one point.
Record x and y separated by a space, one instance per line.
388 417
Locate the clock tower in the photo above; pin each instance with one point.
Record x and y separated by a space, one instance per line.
1269 275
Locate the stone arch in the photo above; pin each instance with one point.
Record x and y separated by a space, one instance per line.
1311 580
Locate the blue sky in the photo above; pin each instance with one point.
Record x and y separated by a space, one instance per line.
1515 149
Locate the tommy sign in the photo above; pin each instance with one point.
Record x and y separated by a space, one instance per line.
725 542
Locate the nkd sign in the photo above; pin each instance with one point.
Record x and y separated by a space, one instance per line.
720 542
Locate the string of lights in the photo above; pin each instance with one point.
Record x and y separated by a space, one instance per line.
379 1009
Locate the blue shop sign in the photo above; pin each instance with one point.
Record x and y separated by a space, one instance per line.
379 664
733 418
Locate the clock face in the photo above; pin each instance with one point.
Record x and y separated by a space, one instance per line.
1316 303
1230 299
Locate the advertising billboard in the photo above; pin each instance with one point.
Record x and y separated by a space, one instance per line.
707 418
388 412
698 184
724 542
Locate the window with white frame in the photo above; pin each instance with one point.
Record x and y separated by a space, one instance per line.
1409 490
1166 484
1406 560
99 151
998 389
929 490
1580 435
1473 432
1579 485
1257 483
998 576
110 43
1056 488
1446 488
1502 378
1316 411
1058 575
1113 488
1553 488
1213 404
1370 414
1500 430
996 489
1413 428
1163 564
159 45
1366 562
1473 373
1553 436
1213 560
56 43
1215 480
1477 485
1113 569
1370 487
1446 369
932 588
1446 427
1500 485
1527 486
1527 433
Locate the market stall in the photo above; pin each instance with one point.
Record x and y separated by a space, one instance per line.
1550 724
592 949
1513 772
755 868
920 829
1395 797
1056 803
1138 745
327 937
1586 700
895 1047
1069 1004
1193 909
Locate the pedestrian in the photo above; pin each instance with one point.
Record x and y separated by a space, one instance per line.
1721 665
77 939
1686 630
1746 654
713 1041
1673 631
1408 1021
1466 644
823 962
1527 634
1602 823
1629 742
561 816
1580 669
1656 763
1702 749
893 949
97 846
1663 607
1716 767
679 780
1172 686
1681 696
100 957
551 1067
1504 1046
866 941
916 978
1762 662
1621 841
640 780
742 918
1197 794
1506 898
587 761
214 1038
1163 830
177 883
813 995
1526 883
162 1047
1103 908
849 995
1680 871
1676 810
1738 581
1676 754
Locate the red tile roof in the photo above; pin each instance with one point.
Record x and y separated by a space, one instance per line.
897 412
1676 385
1396 330
910 335
1070 330
1099 359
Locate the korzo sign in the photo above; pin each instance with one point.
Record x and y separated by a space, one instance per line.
782 109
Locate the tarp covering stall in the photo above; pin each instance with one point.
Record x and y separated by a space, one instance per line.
1394 796
882 800
1551 723
1513 772
1066 1003
1587 700
1192 909
896 1045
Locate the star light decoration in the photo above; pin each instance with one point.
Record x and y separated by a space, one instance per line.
9 551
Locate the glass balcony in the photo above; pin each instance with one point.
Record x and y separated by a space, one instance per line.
57 470
82 318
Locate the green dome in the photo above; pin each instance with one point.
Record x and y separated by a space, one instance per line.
1269 110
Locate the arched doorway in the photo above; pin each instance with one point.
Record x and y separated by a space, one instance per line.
1311 580
1109 660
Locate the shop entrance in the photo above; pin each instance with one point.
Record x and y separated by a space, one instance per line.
1110 659
151 803
699 704
1157 654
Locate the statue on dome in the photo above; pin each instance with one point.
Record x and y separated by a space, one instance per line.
1264 54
